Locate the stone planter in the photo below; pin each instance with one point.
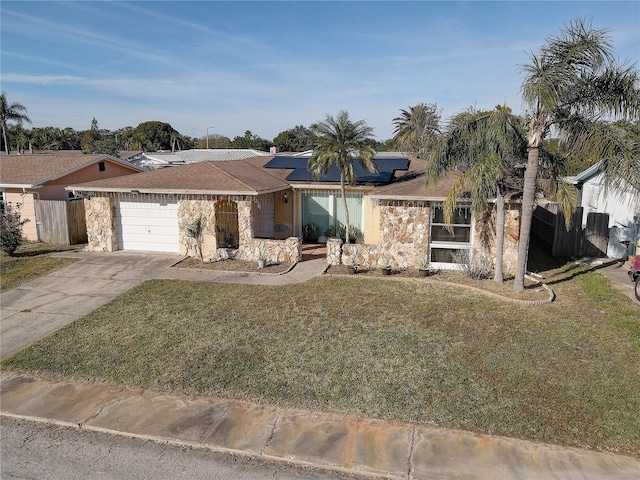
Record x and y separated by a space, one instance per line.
261 263
423 273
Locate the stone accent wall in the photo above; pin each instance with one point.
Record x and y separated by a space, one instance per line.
100 214
274 251
366 256
404 233
484 242
245 222
188 211
404 239
334 251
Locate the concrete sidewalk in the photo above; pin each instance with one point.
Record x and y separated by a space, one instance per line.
355 446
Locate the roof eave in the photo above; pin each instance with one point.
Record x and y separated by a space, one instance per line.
409 198
170 191
18 185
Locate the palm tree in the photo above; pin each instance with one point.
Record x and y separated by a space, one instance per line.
338 142
15 112
573 82
417 128
619 155
489 143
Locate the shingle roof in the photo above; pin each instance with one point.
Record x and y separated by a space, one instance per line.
34 170
412 187
236 177
249 177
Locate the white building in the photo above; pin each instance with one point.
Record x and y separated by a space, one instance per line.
623 207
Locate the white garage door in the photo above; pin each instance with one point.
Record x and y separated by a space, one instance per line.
147 223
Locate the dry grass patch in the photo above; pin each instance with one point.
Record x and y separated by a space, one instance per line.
409 351
29 262
533 290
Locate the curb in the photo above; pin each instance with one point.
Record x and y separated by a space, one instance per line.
196 446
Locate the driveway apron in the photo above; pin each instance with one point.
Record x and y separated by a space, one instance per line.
38 308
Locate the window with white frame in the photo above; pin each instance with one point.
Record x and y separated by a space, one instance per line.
449 243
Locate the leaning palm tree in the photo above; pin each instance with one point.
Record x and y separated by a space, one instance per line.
573 82
416 128
15 112
489 144
338 142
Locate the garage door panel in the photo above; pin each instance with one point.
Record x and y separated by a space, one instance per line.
147 224
157 231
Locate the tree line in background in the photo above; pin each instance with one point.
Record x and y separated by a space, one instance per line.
149 136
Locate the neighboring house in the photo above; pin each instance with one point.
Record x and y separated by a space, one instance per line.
28 180
623 208
260 205
156 160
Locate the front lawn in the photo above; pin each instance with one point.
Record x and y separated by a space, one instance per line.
411 351
30 262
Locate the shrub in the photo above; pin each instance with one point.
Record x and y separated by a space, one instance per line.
195 230
471 269
354 233
330 232
11 229
310 232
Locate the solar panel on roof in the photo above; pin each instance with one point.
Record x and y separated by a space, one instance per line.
284 161
386 170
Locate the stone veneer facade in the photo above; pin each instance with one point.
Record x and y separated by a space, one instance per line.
484 248
404 239
101 230
100 214
404 235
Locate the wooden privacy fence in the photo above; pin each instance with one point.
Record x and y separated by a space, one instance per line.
61 223
596 235
548 226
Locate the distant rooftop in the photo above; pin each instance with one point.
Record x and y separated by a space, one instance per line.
182 157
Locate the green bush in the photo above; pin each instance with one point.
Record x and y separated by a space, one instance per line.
330 232
11 230
354 233
310 232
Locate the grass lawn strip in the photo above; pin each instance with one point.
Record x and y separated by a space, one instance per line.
418 352
29 263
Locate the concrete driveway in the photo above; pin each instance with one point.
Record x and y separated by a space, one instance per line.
618 273
36 309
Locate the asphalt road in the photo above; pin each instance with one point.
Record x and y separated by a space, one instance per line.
32 450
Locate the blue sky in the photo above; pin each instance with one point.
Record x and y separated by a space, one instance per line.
268 66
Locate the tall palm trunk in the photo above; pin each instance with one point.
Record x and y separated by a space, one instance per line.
343 190
528 200
4 137
498 276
